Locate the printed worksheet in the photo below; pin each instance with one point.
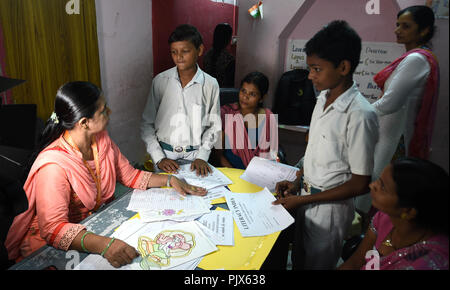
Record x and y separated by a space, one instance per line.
215 193
221 224
165 199
266 173
255 215
214 179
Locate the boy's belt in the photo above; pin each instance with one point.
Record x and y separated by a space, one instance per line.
177 149
308 188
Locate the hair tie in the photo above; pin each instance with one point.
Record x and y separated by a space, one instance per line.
54 118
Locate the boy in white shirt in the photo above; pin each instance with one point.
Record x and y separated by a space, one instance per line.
339 157
181 119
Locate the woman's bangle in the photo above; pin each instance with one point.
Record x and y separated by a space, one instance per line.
82 241
107 247
168 181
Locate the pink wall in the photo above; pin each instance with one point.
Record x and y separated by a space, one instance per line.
372 27
262 43
258 39
168 14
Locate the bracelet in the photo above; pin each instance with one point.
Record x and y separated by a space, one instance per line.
168 181
107 247
82 241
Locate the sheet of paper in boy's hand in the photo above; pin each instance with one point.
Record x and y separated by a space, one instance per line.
255 215
266 173
214 179
221 224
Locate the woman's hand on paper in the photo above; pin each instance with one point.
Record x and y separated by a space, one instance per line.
120 253
185 188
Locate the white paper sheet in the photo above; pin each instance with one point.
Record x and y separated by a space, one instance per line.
126 229
266 173
255 215
221 224
162 199
214 179
164 215
178 246
215 193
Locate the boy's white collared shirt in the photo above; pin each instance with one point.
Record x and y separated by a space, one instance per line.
188 116
341 140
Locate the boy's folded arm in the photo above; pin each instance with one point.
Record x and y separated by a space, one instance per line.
356 185
209 139
148 132
211 132
151 142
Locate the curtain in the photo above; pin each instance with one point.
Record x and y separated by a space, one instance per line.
47 47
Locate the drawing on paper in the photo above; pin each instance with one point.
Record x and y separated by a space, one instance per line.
170 212
167 245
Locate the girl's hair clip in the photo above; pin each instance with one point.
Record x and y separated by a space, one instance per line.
54 118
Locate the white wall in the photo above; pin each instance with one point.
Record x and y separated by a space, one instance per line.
258 39
126 64
261 45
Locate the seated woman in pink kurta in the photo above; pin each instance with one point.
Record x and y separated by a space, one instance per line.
73 175
248 129
410 230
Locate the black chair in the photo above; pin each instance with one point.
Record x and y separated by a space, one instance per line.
19 133
18 127
350 246
228 96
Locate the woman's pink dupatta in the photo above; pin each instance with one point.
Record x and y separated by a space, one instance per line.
234 129
59 152
428 255
421 139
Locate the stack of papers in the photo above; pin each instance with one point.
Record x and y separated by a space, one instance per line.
255 215
162 246
212 180
218 226
216 193
158 204
266 173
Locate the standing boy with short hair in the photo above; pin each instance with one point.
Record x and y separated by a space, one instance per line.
181 119
339 157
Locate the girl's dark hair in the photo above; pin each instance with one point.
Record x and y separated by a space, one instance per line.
424 17
74 100
259 80
222 36
423 185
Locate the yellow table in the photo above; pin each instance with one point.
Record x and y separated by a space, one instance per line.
247 253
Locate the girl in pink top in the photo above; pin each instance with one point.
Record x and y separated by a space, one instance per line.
74 173
248 129
410 230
